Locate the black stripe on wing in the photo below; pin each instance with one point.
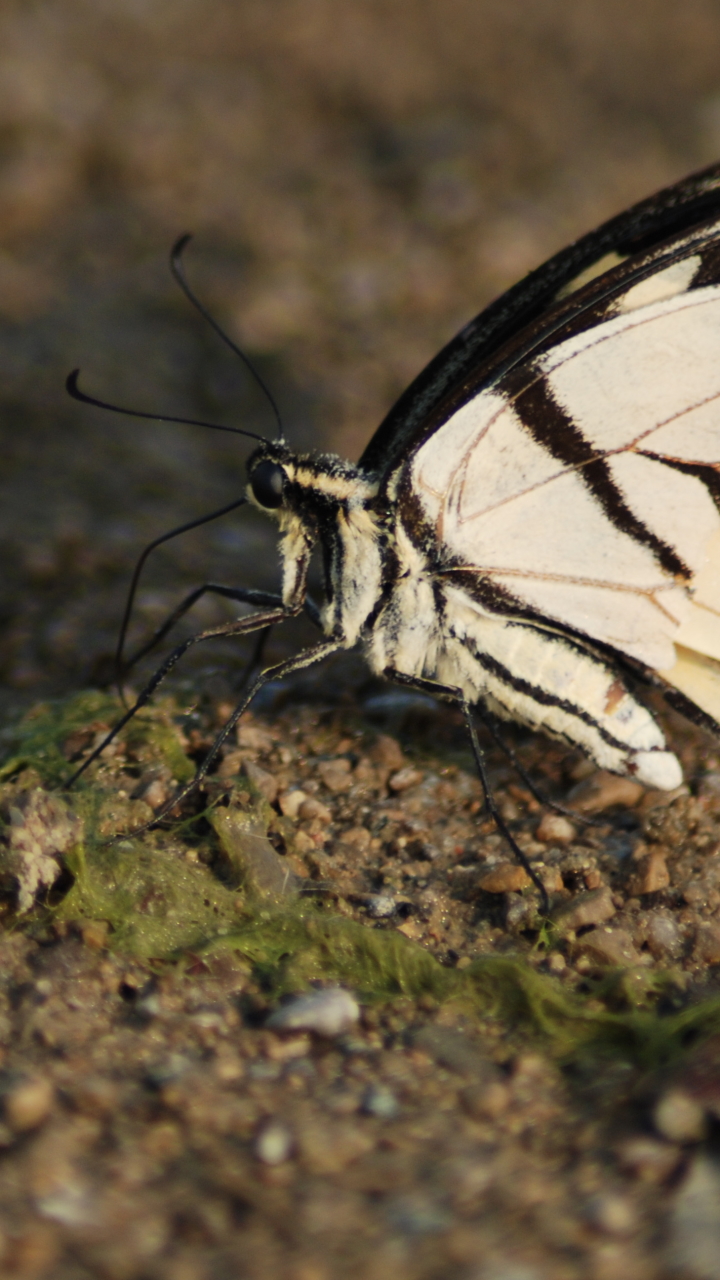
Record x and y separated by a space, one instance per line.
551 426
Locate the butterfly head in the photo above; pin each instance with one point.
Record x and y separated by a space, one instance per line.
283 483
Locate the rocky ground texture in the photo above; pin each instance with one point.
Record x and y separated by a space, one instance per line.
469 1091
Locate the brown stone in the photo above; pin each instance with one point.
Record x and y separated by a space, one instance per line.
28 1104
327 1146
506 877
387 752
648 1159
707 943
263 781
593 907
680 1118
555 829
95 934
608 947
313 810
551 877
357 838
291 802
603 790
336 774
486 1101
231 765
650 875
252 738
404 779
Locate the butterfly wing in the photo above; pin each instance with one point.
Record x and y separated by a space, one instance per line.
574 477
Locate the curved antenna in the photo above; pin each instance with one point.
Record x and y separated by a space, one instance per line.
177 268
73 390
165 537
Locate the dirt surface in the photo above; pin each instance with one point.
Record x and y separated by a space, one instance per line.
475 1091
518 1099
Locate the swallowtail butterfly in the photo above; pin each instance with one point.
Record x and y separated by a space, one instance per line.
535 526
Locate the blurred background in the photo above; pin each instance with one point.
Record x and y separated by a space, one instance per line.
361 178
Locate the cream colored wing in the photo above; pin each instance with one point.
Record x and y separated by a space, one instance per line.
588 495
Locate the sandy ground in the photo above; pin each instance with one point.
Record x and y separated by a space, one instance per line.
360 180
494 1097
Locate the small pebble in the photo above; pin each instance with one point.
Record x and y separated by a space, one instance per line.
291 802
649 1159
95 934
387 752
336 774
356 838
505 877
608 947
313 810
231 765
404 779
679 1118
328 1012
650 875
603 791
28 1104
556 962
274 1143
707 943
614 1215
593 907
555 829
263 781
380 1101
487 1100
663 935
380 906
252 737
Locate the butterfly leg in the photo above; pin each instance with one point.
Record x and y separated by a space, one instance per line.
522 773
449 693
241 627
261 599
307 658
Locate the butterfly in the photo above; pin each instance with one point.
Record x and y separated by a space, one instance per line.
534 528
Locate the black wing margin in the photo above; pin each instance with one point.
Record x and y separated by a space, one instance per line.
672 211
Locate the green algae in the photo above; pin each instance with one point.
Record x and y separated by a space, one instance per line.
157 903
290 950
162 901
38 738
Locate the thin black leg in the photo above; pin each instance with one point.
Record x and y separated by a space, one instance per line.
277 672
522 773
244 595
241 627
157 542
449 693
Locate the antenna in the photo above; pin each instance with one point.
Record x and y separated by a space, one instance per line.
73 390
178 270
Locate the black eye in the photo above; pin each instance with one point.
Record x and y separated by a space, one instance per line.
267 482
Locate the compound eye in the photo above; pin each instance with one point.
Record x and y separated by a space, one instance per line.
267 482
